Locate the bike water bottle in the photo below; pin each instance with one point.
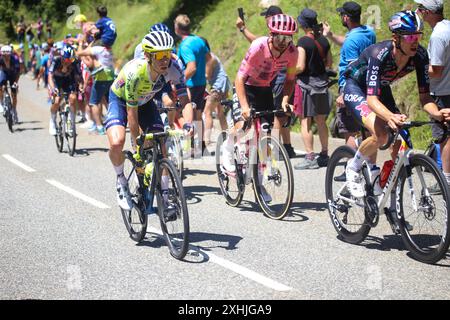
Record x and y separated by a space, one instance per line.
375 180
385 172
148 174
438 155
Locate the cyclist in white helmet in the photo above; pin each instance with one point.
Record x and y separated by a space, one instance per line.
131 102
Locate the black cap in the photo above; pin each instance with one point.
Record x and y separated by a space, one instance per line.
271 11
350 8
307 18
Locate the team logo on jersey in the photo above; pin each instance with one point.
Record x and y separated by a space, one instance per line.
364 109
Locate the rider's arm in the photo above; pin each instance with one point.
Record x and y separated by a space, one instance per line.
240 91
430 106
188 111
291 72
133 123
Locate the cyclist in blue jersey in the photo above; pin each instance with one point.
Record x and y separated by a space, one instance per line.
9 72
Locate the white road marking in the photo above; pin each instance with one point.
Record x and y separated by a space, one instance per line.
18 163
78 195
252 275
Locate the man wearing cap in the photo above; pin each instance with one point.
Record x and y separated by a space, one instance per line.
278 83
314 57
432 12
353 43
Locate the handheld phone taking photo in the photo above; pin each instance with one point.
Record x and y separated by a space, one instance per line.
241 13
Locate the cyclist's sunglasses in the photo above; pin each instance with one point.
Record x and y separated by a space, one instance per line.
69 60
282 37
160 55
411 38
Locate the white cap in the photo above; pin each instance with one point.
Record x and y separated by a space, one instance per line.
432 5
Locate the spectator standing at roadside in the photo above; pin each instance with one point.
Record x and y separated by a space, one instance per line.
20 30
313 60
353 44
193 53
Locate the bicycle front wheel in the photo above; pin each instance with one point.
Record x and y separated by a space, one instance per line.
9 115
424 216
59 138
273 179
346 212
135 219
70 136
172 209
175 153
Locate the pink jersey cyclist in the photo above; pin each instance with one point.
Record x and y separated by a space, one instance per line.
260 67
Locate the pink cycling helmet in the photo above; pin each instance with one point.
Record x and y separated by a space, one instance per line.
282 24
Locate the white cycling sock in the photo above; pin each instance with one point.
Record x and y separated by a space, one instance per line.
357 162
120 176
53 117
164 183
447 177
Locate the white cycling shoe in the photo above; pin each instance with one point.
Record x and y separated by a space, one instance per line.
354 183
124 197
52 128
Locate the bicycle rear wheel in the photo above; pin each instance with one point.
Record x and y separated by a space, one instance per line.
347 213
135 219
429 238
273 179
232 186
172 210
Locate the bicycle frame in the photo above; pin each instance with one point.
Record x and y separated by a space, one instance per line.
402 160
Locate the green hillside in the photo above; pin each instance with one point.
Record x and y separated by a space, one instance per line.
215 20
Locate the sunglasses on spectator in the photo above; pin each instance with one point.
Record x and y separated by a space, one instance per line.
411 38
160 55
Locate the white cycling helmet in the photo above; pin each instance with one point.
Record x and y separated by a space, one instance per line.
6 50
157 41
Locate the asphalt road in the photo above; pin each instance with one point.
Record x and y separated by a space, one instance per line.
72 244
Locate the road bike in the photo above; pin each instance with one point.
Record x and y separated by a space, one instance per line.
261 161
65 129
144 171
7 107
422 219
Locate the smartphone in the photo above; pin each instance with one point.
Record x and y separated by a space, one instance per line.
241 13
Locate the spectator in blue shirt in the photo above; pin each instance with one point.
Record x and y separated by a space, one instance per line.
106 27
193 52
353 43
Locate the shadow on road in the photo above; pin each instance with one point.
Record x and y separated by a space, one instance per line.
197 253
27 129
195 193
87 151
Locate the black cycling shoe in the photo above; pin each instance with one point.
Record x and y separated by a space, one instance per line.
322 160
170 213
340 178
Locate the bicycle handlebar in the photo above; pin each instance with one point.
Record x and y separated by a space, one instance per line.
406 126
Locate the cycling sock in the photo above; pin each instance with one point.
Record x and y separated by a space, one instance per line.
53 116
447 177
164 183
357 161
120 176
